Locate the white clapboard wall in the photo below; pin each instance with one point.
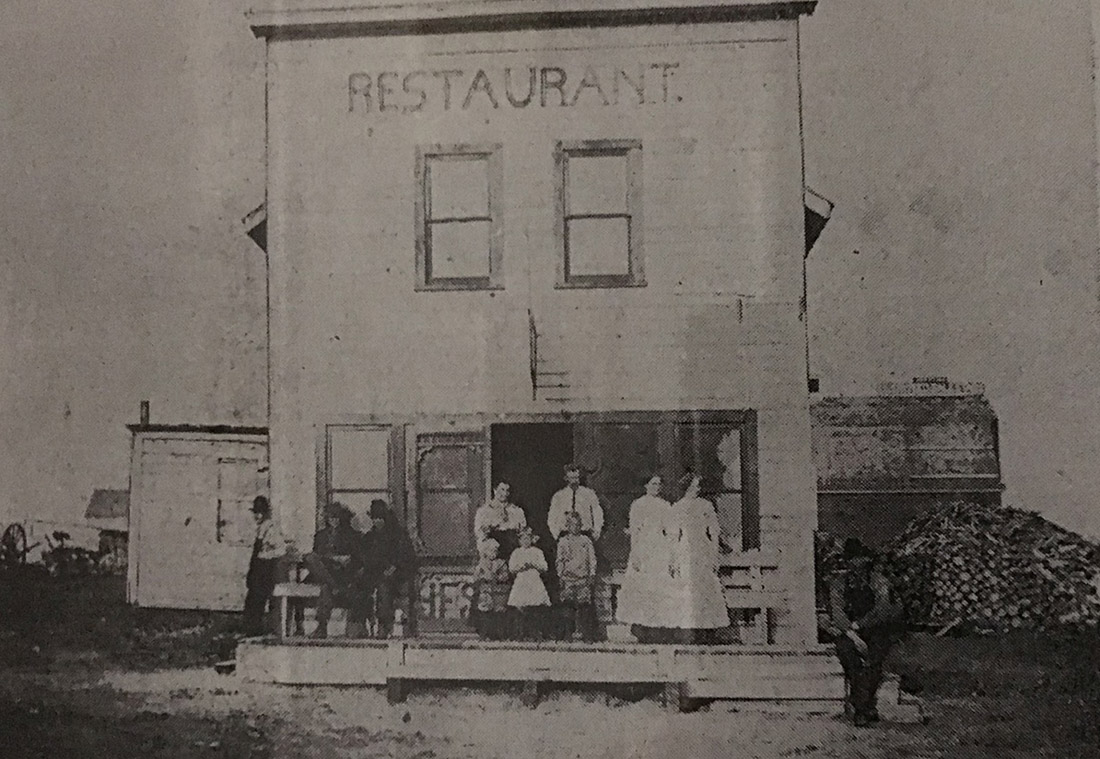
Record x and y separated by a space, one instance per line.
191 529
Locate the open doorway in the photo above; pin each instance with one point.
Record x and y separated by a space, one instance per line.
531 458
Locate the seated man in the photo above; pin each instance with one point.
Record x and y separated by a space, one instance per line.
389 565
865 621
337 565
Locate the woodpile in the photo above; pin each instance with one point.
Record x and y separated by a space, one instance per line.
996 568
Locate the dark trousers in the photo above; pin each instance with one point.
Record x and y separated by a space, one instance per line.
531 622
579 618
338 589
259 584
863 672
381 605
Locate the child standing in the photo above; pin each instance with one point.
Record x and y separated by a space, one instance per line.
576 566
492 583
528 595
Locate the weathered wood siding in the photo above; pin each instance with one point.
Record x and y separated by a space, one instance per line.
191 529
716 326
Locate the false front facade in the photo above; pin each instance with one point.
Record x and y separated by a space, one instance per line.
506 236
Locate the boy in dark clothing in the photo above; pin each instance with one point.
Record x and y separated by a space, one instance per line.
864 617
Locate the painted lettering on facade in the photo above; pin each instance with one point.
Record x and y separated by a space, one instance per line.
512 87
445 596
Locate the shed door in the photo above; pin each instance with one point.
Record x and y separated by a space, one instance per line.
194 526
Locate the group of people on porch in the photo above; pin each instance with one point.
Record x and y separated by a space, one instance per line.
670 592
361 571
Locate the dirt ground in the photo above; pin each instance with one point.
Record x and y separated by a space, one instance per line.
86 676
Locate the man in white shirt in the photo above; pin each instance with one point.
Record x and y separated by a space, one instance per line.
575 498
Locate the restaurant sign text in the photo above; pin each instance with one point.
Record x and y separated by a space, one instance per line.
511 87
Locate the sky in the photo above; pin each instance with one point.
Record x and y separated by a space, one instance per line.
957 141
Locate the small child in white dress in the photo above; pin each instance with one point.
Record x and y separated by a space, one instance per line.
529 596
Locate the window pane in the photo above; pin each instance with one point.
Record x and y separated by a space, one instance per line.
444 468
459 249
445 525
598 246
728 507
714 452
597 184
359 458
359 503
459 187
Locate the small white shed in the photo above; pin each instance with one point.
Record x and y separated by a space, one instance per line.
191 488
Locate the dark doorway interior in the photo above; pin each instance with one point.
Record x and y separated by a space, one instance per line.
531 458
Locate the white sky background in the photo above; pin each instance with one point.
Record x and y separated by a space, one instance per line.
957 139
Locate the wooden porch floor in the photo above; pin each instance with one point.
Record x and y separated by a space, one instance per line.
750 673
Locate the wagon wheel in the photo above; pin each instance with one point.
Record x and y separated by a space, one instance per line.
13 545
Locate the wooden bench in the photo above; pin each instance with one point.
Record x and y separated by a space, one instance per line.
746 586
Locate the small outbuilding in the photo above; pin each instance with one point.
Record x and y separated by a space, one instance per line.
190 528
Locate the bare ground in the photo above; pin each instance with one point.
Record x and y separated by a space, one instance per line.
86 676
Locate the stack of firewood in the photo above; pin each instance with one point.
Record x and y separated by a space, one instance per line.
994 567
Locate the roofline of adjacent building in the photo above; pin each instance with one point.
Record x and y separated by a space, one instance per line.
205 429
406 18
924 491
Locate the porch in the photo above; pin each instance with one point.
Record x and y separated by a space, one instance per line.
794 678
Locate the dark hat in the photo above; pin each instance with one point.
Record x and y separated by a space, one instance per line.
379 509
855 549
260 505
339 511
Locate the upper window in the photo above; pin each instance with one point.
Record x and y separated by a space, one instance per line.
458 220
599 213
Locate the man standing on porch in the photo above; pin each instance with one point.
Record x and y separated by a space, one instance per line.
577 499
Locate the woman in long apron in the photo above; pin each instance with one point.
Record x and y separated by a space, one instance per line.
701 611
646 599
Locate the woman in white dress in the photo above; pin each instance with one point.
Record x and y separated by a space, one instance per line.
701 604
646 601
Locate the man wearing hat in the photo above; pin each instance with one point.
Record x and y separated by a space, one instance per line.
336 564
864 617
389 565
268 546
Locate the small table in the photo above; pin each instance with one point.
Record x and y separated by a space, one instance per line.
292 597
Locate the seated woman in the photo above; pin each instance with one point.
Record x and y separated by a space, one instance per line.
500 520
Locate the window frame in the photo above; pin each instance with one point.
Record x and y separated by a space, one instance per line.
328 493
631 150
425 441
492 154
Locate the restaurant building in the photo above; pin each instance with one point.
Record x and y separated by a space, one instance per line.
504 236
